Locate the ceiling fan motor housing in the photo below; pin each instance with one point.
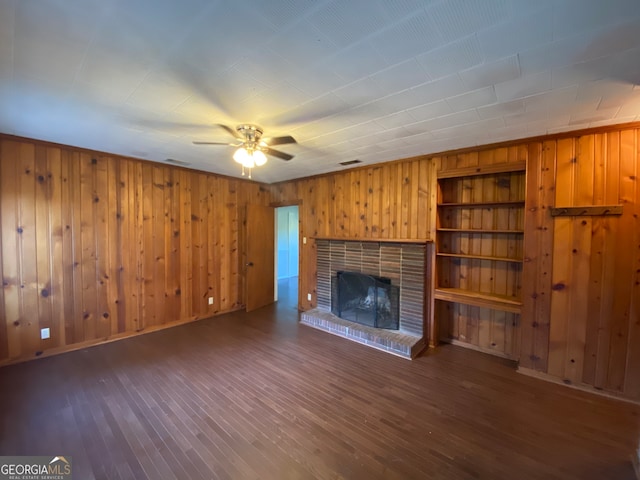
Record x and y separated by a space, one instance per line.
251 134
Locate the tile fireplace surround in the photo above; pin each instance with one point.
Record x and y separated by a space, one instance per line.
404 262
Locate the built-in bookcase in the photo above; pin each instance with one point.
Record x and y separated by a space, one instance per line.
479 254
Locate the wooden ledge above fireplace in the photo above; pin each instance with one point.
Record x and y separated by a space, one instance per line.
420 241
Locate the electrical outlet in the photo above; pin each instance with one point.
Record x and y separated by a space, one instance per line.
309 296
210 300
45 333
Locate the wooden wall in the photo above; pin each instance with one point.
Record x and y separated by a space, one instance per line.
97 247
385 201
582 316
581 276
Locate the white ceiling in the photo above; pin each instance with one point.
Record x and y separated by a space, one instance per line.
374 80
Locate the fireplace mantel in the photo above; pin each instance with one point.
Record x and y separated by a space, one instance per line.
420 241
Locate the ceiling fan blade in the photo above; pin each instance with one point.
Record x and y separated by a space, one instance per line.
211 143
277 153
280 140
231 131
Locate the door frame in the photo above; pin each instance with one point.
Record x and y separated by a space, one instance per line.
291 203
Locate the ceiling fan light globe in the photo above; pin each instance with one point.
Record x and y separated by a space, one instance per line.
260 158
241 155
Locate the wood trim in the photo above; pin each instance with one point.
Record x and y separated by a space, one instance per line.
519 166
291 203
422 241
111 338
578 386
476 348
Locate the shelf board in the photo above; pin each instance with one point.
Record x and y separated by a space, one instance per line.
518 166
479 230
477 299
508 203
479 257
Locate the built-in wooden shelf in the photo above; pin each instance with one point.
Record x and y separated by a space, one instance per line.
479 257
485 300
508 203
495 168
479 230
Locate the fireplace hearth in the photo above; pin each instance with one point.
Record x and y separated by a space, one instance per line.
366 299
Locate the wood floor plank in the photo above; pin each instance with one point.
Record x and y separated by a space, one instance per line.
259 396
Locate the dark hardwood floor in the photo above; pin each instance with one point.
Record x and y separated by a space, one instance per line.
259 396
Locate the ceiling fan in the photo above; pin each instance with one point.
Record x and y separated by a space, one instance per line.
252 149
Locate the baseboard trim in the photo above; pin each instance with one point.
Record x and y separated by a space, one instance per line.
582 387
460 343
101 341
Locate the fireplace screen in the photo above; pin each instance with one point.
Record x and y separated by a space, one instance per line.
366 299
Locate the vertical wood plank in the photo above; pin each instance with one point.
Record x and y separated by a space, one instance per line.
596 264
27 251
57 264
9 193
423 220
186 244
414 185
581 250
405 197
42 247
620 314
375 201
562 260
101 205
632 377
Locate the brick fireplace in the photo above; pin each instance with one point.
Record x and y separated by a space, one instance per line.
404 263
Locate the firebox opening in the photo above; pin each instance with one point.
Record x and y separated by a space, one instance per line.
366 299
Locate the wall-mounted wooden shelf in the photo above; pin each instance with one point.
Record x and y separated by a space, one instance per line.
485 300
587 211
479 257
479 230
508 203
518 166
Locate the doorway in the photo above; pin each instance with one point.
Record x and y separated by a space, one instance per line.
287 252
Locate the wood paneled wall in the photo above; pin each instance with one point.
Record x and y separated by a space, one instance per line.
582 316
97 247
581 275
386 201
